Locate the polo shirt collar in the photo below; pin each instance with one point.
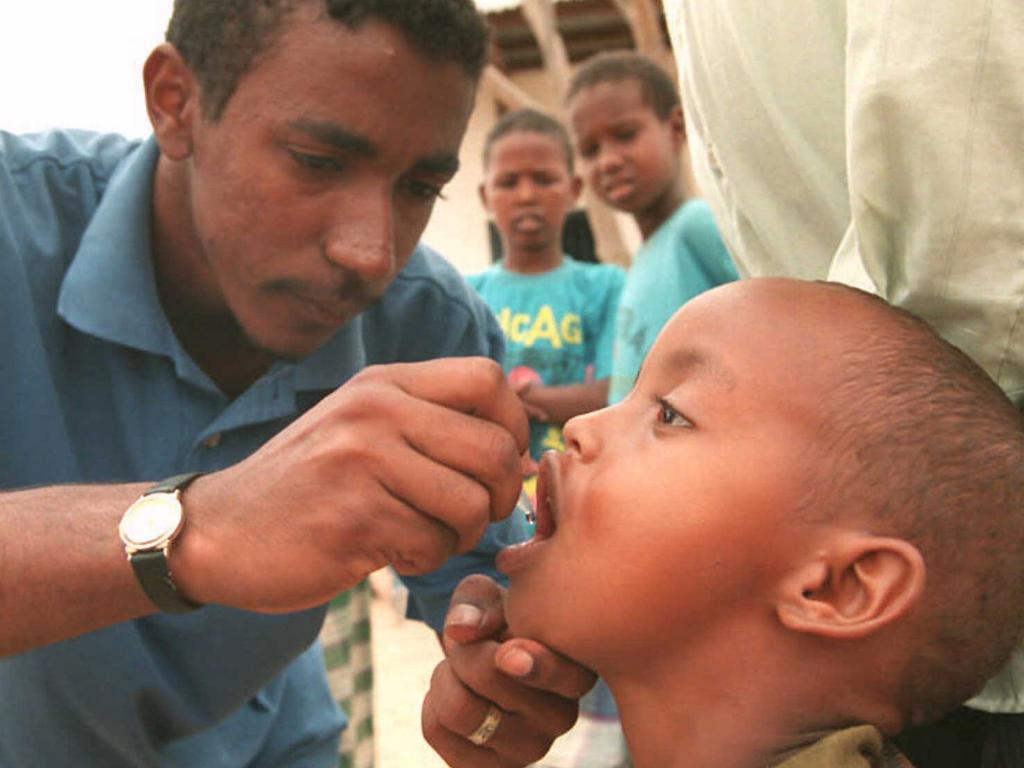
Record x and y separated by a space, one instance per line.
110 291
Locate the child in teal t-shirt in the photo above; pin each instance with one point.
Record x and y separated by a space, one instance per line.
627 123
558 314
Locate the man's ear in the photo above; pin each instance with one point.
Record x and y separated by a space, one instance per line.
172 100
854 588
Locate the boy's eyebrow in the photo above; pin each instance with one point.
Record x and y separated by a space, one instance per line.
332 134
690 360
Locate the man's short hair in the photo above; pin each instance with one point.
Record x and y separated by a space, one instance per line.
657 88
219 39
924 446
529 121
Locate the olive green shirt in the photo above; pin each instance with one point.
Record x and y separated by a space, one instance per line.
858 747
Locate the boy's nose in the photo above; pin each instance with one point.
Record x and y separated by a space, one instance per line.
526 190
608 159
581 436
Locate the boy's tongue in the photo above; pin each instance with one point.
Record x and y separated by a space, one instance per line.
528 223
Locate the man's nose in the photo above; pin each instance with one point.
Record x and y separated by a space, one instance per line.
362 237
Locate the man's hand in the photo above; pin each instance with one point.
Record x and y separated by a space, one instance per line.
403 465
535 690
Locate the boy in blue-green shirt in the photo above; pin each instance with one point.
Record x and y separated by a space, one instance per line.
627 124
558 314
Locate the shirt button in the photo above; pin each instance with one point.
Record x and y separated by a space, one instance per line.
213 440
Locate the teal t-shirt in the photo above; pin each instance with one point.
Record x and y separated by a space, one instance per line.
683 258
557 324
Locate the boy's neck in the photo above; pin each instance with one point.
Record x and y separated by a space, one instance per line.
532 262
661 209
730 706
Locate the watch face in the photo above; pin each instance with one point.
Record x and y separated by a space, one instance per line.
151 521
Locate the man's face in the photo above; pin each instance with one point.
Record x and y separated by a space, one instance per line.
311 191
529 190
628 156
668 520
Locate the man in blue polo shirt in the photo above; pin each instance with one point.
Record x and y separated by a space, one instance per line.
211 301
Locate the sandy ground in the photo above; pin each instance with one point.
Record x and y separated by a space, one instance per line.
404 655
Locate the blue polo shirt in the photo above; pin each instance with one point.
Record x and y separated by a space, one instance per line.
96 388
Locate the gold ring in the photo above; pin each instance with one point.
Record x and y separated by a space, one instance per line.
487 728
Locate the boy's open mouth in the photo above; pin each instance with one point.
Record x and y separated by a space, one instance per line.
518 556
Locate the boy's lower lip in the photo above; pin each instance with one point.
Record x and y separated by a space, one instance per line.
518 556
619 191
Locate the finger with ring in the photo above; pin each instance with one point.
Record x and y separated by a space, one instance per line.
487 728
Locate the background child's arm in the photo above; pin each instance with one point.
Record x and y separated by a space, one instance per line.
556 405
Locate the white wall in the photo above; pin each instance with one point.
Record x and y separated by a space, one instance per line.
77 64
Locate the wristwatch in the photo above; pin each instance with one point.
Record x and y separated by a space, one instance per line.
148 528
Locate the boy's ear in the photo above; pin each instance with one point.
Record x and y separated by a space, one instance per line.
482 190
172 100
677 124
855 588
576 186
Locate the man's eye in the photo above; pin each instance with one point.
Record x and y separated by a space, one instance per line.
316 162
425 191
669 415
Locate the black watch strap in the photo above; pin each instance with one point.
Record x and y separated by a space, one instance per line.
151 568
172 484
155 577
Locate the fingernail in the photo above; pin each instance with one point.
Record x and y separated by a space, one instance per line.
517 662
464 615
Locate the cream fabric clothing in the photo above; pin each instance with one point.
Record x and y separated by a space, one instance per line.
879 143
874 142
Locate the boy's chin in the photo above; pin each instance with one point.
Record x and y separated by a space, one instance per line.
534 616
524 610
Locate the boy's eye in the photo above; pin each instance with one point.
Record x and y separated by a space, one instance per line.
626 134
316 162
670 416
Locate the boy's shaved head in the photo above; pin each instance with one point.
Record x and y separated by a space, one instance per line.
926 447
529 121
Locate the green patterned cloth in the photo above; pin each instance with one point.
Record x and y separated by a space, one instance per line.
346 642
